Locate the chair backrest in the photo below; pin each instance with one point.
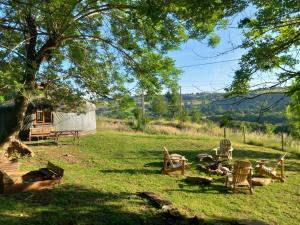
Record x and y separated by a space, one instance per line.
241 171
167 156
281 158
279 161
225 146
55 169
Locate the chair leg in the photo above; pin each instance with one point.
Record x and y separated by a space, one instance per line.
251 192
282 171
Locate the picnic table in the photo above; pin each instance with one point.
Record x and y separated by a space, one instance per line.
74 133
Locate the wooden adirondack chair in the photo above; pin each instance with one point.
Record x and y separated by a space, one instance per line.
173 162
272 171
240 176
225 149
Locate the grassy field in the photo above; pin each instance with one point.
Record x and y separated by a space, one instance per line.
106 170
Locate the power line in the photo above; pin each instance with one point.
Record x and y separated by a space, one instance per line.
209 63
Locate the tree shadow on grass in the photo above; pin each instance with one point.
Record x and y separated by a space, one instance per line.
154 164
217 187
41 143
231 221
237 154
255 155
131 171
72 205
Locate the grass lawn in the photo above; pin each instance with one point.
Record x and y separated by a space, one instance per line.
104 173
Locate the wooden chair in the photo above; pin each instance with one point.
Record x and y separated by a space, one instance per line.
225 149
240 176
272 170
173 162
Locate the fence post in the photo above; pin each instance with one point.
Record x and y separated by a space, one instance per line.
224 132
281 140
244 133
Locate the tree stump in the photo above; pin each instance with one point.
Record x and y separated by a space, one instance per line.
15 146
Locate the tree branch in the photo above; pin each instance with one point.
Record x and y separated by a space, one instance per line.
94 10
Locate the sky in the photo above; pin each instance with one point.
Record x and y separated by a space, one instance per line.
204 69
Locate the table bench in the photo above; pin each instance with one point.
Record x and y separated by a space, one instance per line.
57 134
41 132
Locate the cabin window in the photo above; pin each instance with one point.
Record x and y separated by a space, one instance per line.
39 116
47 116
43 116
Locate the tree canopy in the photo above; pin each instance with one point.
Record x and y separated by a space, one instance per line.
71 49
271 39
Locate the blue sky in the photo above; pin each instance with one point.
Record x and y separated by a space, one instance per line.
219 71
197 77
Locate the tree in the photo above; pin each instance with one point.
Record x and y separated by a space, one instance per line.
269 128
173 100
196 115
293 112
158 105
225 119
71 49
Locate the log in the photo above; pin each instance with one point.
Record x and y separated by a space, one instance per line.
259 181
158 201
199 180
174 215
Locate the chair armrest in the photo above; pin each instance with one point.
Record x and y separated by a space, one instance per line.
266 161
216 149
176 157
180 159
230 150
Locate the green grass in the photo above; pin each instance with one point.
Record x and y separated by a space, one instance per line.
104 173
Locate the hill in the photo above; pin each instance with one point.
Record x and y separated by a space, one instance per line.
255 112
262 109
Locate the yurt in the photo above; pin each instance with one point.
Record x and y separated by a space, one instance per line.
42 114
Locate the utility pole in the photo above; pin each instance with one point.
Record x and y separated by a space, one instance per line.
180 102
143 107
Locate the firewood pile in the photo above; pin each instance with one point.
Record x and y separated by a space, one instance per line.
211 166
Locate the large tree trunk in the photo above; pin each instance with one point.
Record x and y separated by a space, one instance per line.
16 123
33 61
31 68
11 136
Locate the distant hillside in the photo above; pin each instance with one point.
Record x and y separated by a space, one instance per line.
247 108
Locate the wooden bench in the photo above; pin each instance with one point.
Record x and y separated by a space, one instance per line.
9 166
41 132
12 180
